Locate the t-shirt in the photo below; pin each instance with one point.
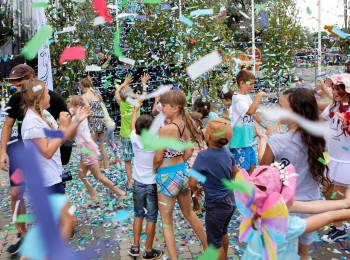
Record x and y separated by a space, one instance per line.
108 119
337 142
216 164
242 124
143 162
83 133
286 251
51 168
57 105
289 148
213 115
126 111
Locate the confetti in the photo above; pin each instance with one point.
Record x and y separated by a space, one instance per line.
121 215
117 50
53 133
133 102
210 254
263 19
239 186
203 65
186 20
39 5
101 9
220 133
30 51
25 218
72 53
198 176
308 10
152 1
202 12
340 33
326 157
127 60
17 177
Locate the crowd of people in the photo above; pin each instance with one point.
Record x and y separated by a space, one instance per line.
279 200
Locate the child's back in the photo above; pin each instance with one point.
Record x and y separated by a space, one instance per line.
126 110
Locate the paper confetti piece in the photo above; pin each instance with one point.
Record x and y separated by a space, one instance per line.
308 10
154 143
17 177
53 133
322 160
203 65
326 157
37 88
39 5
72 209
244 14
202 12
117 50
101 9
110 205
30 51
14 217
127 60
192 40
259 6
237 185
25 218
72 53
121 215
210 254
185 20
92 68
340 33
263 19
133 102
334 195
198 176
157 123
87 151
160 91
123 3
99 20
11 228
152 1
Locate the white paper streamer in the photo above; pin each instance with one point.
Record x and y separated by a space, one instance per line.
99 20
127 60
92 68
314 128
203 65
37 88
246 16
155 57
157 123
133 102
125 15
14 217
69 29
113 7
160 91
71 210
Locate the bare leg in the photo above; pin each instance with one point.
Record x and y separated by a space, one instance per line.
222 253
67 223
82 175
137 230
150 231
196 206
251 169
103 151
128 172
104 180
303 251
225 243
185 205
17 194
166 213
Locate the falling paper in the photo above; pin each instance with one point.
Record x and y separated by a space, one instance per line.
117 50
121 215
37 88
263 19
203 65
210 254
308 10
92 68
157 123
202 12
127 60
160 91
198 176
185 20
30 51
340 33
99 20
39 5
246 16
133 102
101 9
72 53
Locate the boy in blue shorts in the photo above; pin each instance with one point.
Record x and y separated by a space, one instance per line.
145 188
216 163
242 121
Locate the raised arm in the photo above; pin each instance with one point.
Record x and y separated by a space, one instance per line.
254 106
127 81
265 154
154 108
319 206
134 116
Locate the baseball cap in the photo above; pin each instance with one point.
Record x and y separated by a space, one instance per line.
220 130
20 71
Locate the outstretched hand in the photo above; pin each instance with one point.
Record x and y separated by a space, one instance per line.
83 112
128 79
259 133
199 192
144 78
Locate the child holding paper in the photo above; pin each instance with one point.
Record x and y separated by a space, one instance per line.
126 111
145 188
211 167
242 121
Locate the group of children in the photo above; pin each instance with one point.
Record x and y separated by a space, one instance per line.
288 179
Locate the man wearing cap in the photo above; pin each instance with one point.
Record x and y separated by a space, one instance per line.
10 157
216 164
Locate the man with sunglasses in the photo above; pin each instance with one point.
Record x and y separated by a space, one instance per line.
11 148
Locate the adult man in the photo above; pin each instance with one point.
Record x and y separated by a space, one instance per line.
10 153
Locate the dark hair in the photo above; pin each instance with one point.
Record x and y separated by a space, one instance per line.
334 103
303 103
143 122
227 95
244 75
202 107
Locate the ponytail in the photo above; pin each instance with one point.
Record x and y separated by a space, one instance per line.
195 133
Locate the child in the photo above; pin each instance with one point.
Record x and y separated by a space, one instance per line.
172 177
300 148
145 188
226 99
88 151
216 163
274 186
126 110
242 115
337 114
35 96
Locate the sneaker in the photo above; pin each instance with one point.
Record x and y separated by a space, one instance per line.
15 245
334 235
154 254
134 251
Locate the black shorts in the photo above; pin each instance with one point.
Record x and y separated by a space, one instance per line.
218 216
16 153
56 189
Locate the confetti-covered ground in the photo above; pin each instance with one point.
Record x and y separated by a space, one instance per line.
111 240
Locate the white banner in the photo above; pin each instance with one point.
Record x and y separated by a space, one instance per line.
44 59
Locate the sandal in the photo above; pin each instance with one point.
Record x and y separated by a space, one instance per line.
91 203
121 200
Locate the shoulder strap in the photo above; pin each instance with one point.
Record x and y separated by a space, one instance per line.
179 129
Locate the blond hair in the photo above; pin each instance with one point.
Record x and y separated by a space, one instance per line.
32 98
123 92
178 98
87 83
75 100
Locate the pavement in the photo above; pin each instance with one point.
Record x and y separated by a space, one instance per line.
106 239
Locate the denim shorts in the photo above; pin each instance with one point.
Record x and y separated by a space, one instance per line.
173 180
145 201
217 218
244 157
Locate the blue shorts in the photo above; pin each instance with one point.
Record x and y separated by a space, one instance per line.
145 201
244 157
173 180
15 151
56 189
127 149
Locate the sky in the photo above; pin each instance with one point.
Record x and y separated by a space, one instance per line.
332 12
